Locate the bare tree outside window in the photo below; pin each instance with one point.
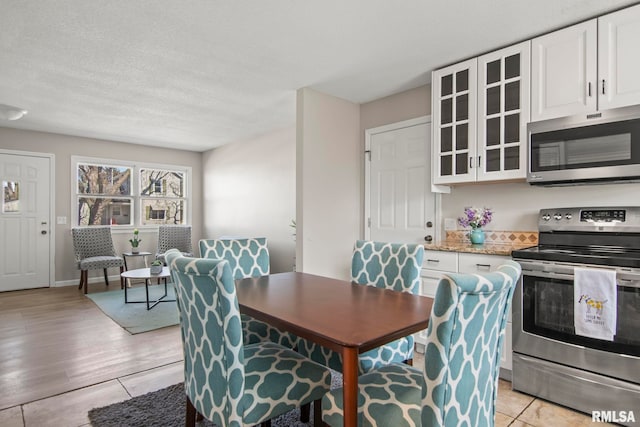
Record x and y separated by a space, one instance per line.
163 196
110 192
104 186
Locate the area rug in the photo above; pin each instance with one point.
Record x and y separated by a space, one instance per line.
166 408
135 318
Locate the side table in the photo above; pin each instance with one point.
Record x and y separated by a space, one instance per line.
126 255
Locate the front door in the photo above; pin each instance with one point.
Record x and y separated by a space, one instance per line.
24 221
401 206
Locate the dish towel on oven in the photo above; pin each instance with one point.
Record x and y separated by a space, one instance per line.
595 303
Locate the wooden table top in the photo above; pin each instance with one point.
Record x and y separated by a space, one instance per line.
333 313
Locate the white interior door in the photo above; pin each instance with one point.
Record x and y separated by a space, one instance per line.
24 221
401 206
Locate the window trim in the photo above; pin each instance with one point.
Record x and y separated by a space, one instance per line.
136 197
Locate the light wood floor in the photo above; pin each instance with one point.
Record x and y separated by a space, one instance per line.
55 340
60 356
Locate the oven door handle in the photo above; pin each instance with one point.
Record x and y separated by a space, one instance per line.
629 283
547 274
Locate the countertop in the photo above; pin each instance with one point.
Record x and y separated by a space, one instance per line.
503 249
497 242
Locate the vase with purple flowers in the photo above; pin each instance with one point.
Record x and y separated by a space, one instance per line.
476 218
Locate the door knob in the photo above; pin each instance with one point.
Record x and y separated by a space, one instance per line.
429 224
428 238
43 232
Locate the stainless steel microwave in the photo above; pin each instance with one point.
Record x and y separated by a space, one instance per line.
599 148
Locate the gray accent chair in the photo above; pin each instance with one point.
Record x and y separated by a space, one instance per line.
174 237
93 247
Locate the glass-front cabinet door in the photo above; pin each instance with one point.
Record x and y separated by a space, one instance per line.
454 122
503 113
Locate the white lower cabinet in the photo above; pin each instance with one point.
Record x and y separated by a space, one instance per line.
437 263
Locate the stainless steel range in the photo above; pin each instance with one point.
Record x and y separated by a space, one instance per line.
551 360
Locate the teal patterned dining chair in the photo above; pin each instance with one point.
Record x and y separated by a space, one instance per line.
459 383
229 383
392 266
248 258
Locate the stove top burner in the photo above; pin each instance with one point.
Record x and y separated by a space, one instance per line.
597 235
613 256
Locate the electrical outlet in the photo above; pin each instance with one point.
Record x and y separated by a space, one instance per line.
450 224
61 220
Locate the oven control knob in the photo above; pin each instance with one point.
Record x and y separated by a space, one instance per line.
546 217
557 217
568 216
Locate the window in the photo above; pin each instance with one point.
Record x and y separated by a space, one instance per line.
162 194
110 192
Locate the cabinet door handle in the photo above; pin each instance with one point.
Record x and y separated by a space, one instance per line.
479 161
433 260
481 266
589 89
470 162
603 86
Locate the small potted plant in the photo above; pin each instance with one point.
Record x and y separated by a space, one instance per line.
156 267
135 241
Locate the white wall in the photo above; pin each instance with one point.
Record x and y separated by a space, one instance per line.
328 181
250 192
516 205
65 146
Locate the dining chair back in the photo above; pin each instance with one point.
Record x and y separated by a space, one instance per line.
459 383
94 250
174 236
225 381
248 258
393 266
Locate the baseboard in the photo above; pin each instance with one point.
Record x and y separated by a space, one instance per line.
76 282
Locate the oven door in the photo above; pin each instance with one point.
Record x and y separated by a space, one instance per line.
544 322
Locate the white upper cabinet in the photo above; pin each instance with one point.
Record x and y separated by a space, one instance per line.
503 113
480 110
587 67
454 94
618 58
563 72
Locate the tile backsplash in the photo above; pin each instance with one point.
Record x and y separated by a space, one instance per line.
496 237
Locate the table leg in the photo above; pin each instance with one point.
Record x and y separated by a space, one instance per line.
350 386
146 288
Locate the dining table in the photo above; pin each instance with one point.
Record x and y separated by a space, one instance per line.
340 315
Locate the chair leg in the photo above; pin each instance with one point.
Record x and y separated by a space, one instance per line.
85 280
305 412
121 278
81 277
265 423
317 413
106 278
409 362
190 416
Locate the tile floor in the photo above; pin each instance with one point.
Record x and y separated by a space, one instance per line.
70 409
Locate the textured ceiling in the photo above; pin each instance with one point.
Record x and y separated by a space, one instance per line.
198 74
